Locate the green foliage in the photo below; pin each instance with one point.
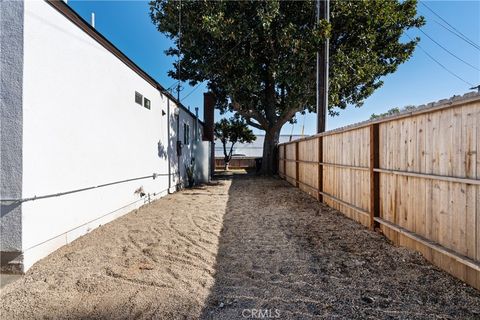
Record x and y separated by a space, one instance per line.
259 58
391 112
233 130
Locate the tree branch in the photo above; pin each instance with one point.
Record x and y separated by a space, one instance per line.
231 150
251 113
287 116
253 124
224 142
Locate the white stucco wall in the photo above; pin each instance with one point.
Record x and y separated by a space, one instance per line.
81 128
11 77
202 160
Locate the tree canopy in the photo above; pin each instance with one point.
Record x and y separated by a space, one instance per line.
233 130
391 112
259 57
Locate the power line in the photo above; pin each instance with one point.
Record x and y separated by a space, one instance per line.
475 46
173 85
451 53
457 32
192 91
440 64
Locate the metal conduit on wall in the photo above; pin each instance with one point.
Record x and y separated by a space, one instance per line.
58 194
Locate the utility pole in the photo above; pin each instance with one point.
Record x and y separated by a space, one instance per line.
179 47
323 12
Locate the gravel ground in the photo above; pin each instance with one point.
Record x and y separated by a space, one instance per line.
243 248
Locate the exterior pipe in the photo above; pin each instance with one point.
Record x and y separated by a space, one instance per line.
168 147
178 154
19 200
196 124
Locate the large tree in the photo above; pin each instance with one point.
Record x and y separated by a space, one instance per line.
259 57
233 130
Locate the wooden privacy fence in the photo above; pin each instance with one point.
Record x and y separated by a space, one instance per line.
236 163
415 176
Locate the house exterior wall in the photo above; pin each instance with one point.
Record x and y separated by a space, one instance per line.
11 66
190 149
83 128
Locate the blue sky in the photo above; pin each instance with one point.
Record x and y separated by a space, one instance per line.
420 80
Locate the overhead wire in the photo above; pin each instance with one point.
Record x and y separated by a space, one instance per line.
440 64
451 53
455 31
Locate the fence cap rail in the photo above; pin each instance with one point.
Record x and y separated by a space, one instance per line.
455 101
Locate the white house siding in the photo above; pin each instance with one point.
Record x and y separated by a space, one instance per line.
190 149
11 66
82 128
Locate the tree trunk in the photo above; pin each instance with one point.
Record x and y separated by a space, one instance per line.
226 162
269 148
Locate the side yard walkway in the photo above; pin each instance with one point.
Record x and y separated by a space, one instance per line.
232 250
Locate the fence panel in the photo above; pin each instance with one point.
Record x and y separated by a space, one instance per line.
414 176
346 183
281 160
308 172
290 164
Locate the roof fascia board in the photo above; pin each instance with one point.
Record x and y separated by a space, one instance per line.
76 19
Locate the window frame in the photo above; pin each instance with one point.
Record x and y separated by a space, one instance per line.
138 98
145 100
186 133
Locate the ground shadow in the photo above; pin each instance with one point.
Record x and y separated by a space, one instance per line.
247 247
283 255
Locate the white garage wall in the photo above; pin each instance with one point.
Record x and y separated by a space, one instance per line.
82 128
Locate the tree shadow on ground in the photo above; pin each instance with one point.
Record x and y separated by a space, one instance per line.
284 255
252 248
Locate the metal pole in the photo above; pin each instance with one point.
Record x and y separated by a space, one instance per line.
196 124
169 149
323 12
179 47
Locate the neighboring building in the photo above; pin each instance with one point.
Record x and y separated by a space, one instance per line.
86 135
254 149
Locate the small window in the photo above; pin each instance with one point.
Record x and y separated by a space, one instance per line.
146 103
138 98
186 133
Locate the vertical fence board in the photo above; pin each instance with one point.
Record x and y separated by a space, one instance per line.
319 167
297 164
416 175
374 176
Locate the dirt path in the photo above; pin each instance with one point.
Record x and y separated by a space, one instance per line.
241 249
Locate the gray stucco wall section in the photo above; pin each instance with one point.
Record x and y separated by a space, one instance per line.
11 126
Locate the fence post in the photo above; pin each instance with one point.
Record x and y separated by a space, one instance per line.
374 176
284 161
297 165
320 168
